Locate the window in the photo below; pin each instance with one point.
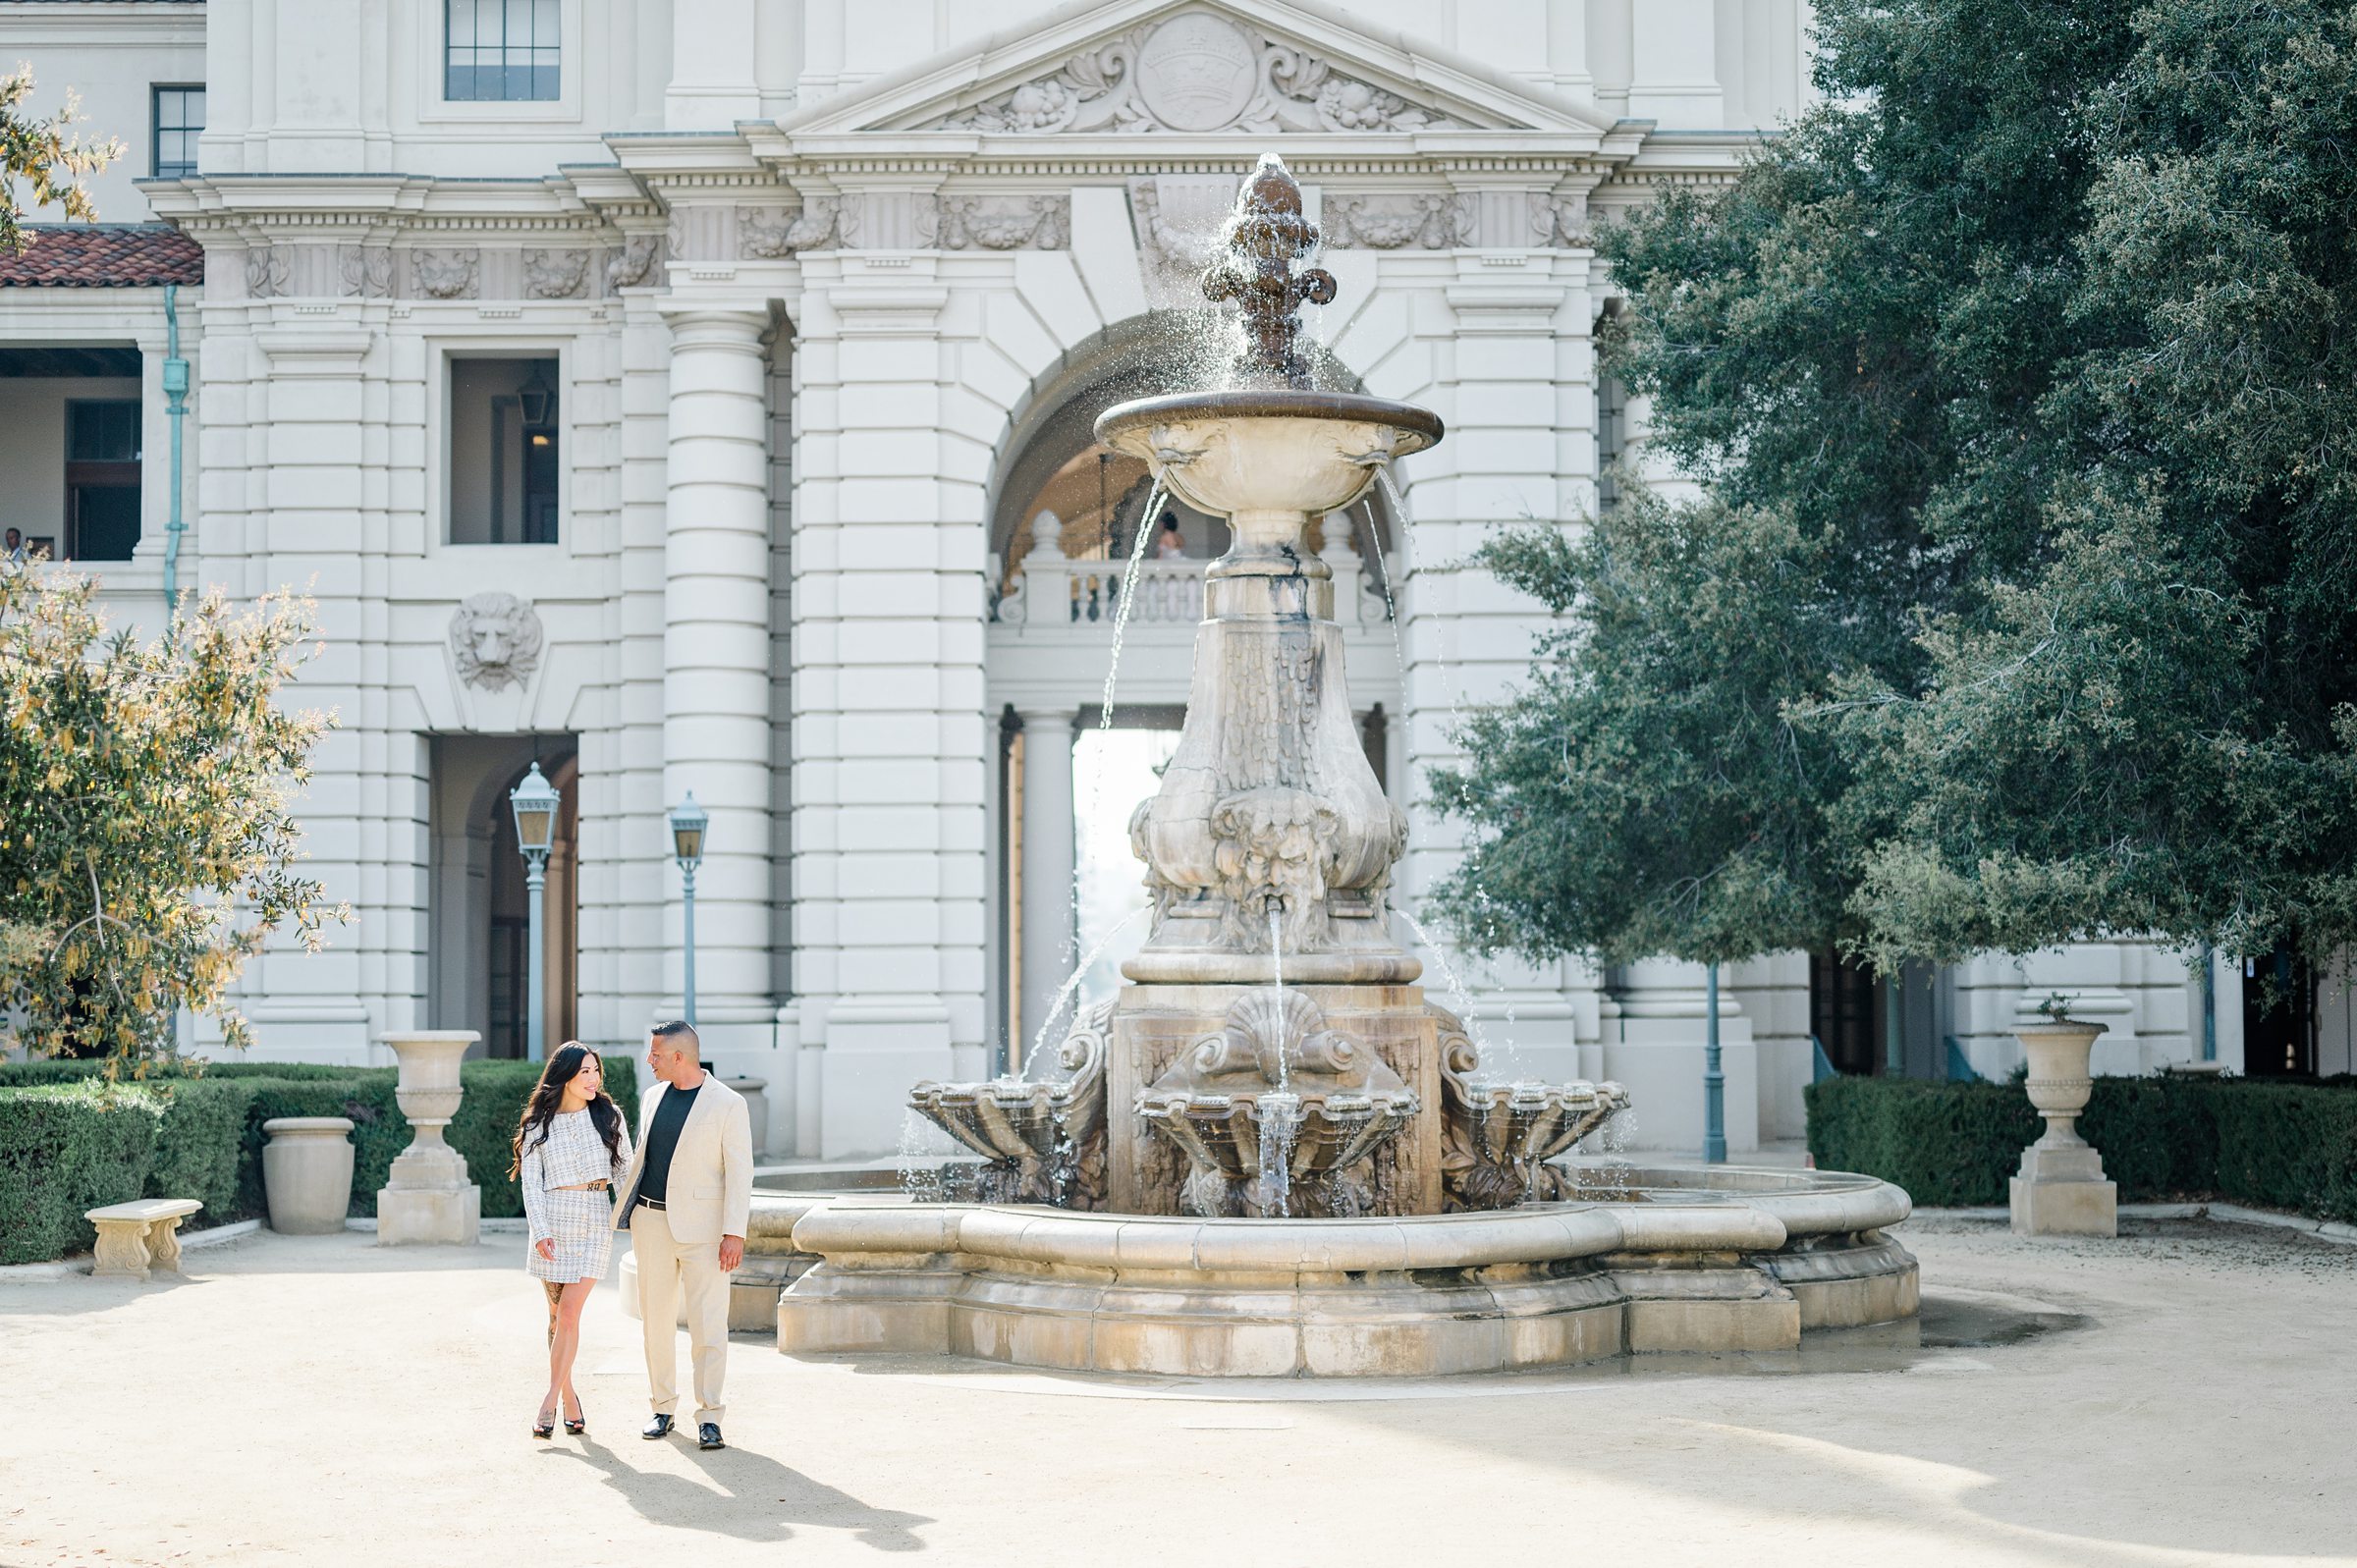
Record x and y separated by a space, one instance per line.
178 121
503 447
500 51
102 480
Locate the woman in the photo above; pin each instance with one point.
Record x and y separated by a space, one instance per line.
1170 546
571 1148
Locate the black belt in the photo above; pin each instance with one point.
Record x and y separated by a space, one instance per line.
651 1202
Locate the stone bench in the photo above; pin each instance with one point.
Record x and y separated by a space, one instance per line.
136 1236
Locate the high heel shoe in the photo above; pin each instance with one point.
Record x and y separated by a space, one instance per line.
575 1426
546 1426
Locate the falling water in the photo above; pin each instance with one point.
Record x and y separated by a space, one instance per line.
1064 992
1277 1114
1121 614
1391 606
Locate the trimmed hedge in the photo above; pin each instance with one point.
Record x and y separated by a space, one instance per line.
69 1141
2281 1145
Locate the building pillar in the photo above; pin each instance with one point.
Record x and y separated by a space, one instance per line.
1051 851
1674 64
1655 1023
716 675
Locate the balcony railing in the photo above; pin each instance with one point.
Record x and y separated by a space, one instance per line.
1054 591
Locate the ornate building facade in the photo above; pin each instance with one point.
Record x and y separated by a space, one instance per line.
693 394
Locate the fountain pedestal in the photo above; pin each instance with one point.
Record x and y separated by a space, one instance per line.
1155 1026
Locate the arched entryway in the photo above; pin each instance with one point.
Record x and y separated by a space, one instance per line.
478 919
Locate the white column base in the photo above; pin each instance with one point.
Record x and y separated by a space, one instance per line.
2061 1192
429 1216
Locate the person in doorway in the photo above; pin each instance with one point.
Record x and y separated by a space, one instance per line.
1172 545
570 1147
15 547
687 1197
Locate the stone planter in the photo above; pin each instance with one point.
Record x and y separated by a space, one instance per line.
2061 1189
428 1198
306 1170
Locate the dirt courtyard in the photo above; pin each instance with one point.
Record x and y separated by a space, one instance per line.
2187 1394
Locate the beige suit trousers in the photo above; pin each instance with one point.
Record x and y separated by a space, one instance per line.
665 1267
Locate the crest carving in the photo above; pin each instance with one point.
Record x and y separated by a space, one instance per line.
495 641
268 268
368 270
1192 73
556 274
996 223
634 262
1560 220
448 274
770 234
1394 223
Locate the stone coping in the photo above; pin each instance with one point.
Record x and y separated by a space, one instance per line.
1668 1210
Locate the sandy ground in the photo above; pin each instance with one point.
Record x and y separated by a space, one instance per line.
2184 1395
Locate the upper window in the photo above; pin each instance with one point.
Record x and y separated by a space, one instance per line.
504 430
501 51
178 121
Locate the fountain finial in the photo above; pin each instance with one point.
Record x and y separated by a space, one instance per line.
1263 238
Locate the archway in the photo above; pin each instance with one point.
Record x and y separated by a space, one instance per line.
477 911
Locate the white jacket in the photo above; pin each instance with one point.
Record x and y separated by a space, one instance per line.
710 1190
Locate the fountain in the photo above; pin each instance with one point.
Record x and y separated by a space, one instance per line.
1269 1154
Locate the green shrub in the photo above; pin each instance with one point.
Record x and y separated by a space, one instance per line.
2289 1146
66 1148
2281 1145
68 1141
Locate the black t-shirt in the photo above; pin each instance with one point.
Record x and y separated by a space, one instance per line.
671 1114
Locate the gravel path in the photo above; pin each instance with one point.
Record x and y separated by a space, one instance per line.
2187 1394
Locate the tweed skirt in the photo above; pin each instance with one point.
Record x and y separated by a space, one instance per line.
581 1224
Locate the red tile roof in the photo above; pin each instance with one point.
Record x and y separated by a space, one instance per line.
82 255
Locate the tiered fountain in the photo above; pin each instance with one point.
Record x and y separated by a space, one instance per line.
1270 1155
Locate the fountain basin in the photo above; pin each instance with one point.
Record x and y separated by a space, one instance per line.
1644 1262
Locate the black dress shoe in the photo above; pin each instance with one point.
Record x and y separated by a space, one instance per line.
707 1436
659 1426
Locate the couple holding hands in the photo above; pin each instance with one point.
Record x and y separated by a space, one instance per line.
685 1191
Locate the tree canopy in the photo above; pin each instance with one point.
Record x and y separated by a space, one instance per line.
2021 377
40 154
146 845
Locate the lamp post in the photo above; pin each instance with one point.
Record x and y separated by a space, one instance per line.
1713 1082
688 820
534 803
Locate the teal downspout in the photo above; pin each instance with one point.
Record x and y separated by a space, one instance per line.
176 409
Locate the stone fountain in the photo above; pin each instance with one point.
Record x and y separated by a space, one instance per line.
1269 1154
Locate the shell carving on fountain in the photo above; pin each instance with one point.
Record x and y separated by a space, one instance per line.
1277 1114
1499 1138
1040 1141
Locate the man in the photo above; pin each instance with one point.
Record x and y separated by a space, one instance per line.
14 549
686 1201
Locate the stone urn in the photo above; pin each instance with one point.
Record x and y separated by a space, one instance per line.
428 1197
306 1171
2061 1189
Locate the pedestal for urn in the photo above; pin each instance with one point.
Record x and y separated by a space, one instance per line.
2061 1189
428 1198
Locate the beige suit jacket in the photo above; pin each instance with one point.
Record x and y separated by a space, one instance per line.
710 1190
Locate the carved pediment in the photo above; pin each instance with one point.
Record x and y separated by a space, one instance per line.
1196 71
1241 67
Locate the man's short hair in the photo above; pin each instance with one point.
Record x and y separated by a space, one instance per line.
680 1034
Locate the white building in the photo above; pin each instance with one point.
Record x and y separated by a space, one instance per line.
669 390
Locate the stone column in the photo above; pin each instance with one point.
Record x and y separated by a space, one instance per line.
1049 853
716 669
1675 68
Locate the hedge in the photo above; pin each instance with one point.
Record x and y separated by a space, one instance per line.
69 1141
2281 1145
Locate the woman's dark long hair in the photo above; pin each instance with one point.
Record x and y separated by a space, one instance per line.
549 1094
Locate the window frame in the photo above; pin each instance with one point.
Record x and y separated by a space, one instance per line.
566 19
156 129
446 352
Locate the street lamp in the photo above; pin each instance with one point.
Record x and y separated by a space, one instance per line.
688 820
1713 1082
534 804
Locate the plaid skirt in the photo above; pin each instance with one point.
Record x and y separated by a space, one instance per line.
581 1224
